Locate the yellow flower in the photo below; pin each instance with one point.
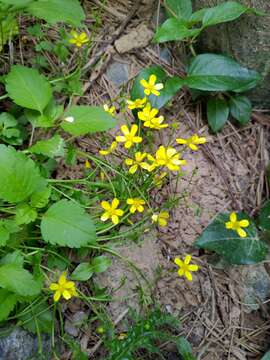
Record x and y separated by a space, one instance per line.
78 39
161 218
136 205
110 110
63 288
185 268
150 86
137 162
129 137
192 141
87 164
236 225
136 104
148 116
110 150
168 157
111 211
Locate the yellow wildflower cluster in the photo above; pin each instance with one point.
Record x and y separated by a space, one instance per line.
63 288
78 39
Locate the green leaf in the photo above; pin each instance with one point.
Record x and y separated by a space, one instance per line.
179 8
227 11
171 86
87 119
53 11
19 176
227 243
7 303
211 72
66 224
197 16
184 348
174 29
40 198
25 214
20 3
38 318
82 272
217 113
16 279
14 257
264 216
27 88
100 264
240 108
53 147
9 28
266 356
7 227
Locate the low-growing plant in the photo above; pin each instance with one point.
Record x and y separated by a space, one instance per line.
217 77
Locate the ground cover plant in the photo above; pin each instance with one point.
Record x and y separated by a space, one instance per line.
57 234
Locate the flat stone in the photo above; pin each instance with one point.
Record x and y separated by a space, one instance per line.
118 73
135 39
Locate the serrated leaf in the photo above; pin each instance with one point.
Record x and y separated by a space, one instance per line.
171 86
83 272
7 303
174 29
25 214
53 11
66 224
27 88
53 147
228 244
40 198
18 280
87 119
181 9
240 108
264 216
19 176
227 11
217 113
211 72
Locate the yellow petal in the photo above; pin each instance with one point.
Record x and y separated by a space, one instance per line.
241 232
155 92
187 259
106 205
54 286
119 212
188 275
180 272
181 141
244 223
130 201
133 169
115 203
233 217
129 162
193 267
125 129
178 262
152 79
62 280
144 83
57 296
159 86
120 138
66 294
229 225
115 219
69 284
134 129
105 216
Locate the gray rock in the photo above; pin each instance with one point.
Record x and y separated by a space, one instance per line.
118 73
137 38
73 325
21 345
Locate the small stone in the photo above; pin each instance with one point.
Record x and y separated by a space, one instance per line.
118 73
71 329
136 39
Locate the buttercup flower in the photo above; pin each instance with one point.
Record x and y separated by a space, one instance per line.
87 164
129 137
148 116
110 110
185 268
150 86
161 218
136 205
236 225
78 39
136 104
110 150
192 141
137 162
111 211
168 157
63 288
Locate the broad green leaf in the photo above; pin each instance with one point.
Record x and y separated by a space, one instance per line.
25 214
181 9
240 108
20 3
14 257
19 176
197 16
227 11
53 147
174 29
171 86
82 272
53 11
16 279
39 318
7 303
66 224
4 233
264 216
228 244
40 198
28 88
266 356
184 348
213 72
46 120
9 28
100 264
217 113
87 119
